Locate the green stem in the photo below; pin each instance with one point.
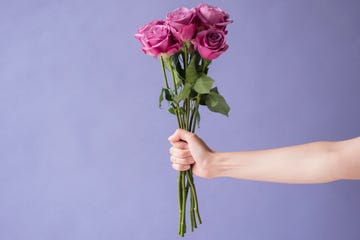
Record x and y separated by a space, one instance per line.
185 56
192 215
164 72
193 191
184 196
188 114
173 78
180 202
195 113
186 120
205 63
174 106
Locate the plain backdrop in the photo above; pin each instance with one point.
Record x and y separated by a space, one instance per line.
83 144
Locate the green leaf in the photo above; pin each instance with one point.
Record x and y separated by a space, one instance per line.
192 74
203 84
172 63
161 97
215 90
180 110
216 103
177 64
171 110
168 96
178 79
203 99
193 94
185 92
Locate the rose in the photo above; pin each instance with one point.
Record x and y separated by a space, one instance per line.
158 38
210 43
212 17
183 20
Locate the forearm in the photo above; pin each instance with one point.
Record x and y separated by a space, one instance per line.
315 162
349 155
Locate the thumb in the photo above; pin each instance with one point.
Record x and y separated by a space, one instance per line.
180 135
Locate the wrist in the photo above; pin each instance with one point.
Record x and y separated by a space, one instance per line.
222 164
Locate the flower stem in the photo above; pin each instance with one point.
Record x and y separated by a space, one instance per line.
194 113
164 72
183 204
173 78
186 117
180 201
193 191
174 106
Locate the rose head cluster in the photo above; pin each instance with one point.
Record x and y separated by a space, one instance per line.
203 28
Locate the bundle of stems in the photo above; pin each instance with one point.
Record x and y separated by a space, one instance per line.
189 88
185 106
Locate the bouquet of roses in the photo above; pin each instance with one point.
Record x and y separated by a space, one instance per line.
186 42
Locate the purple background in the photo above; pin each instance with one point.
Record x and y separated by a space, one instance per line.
83 145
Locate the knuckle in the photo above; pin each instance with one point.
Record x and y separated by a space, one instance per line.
182 153
181 145
173 159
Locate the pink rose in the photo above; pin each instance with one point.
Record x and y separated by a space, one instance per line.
212 17
183 20
210 43
157 38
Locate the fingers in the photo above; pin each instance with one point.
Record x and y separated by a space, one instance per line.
182 161
179 152
180 145
180 167
181 158
180 134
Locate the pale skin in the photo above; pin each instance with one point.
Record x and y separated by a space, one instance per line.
314 162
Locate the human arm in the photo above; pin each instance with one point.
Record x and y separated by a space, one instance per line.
314 162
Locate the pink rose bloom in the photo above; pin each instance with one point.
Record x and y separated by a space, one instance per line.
212 17
183 20
157 38
210 43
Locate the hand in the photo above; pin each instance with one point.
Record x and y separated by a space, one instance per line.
187 149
